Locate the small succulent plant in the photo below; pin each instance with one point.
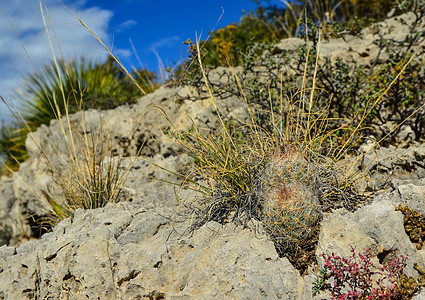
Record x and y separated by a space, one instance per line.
289 195
414 225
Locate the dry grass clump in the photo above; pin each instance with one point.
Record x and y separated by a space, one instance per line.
84 172
92 177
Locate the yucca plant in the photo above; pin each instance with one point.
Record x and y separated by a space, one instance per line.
76 85
67 87
12 146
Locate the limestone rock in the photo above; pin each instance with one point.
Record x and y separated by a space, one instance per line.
376 226
130 131
14 228
362 49
124 251
391 167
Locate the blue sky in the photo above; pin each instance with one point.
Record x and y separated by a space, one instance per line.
161 26
156 29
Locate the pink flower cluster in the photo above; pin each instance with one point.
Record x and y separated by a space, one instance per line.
352 278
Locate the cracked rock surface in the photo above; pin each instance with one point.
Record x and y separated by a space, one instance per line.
125 251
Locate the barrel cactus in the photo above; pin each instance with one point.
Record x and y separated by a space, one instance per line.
289 192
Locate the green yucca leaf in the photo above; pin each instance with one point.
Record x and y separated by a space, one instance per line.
60 212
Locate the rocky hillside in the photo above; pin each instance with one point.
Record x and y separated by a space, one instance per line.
142 247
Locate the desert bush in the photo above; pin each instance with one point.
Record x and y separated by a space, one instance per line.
271 23
342 12
226 44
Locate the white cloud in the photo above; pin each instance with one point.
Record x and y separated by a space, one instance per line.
75 41
164 42
125 25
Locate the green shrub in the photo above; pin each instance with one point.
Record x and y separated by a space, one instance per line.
226 44
352 93
271 23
